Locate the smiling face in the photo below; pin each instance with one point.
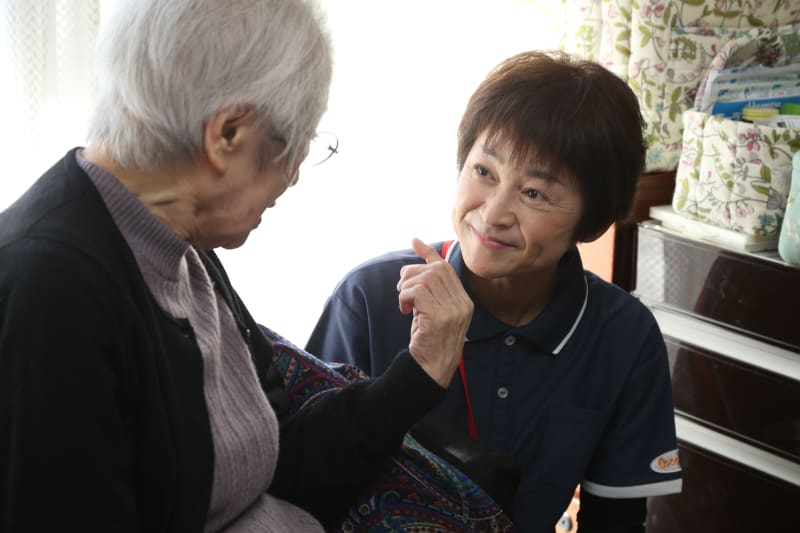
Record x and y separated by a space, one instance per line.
512 221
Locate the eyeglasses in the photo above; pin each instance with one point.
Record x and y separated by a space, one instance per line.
321 148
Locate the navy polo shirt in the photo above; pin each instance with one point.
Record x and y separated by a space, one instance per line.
582 394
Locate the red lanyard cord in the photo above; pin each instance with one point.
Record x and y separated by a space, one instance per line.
473 430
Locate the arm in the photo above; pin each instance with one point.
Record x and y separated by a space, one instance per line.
607 515
341 440
65 448
636 456
331 448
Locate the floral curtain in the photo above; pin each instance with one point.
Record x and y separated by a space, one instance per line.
661 48
590 29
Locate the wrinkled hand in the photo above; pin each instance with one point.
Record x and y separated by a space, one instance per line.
442 313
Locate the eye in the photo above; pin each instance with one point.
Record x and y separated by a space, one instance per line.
481 170
534 194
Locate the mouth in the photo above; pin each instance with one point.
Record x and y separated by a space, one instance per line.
493 243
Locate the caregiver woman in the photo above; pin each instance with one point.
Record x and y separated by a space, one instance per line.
562 370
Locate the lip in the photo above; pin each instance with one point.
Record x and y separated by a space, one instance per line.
490 242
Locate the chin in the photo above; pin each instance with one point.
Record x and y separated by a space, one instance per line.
234 244
487 269
233 241
491 272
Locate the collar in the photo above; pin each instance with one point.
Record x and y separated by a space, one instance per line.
155 246
557 322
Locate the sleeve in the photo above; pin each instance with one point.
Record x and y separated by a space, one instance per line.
333 447
341 334
637 455
64 447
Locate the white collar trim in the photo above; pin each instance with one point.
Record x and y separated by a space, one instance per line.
571 331
577 320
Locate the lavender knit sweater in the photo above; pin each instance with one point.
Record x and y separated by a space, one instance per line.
243 424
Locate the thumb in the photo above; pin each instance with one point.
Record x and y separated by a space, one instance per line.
426 252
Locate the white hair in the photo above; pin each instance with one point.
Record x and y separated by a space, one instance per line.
166 66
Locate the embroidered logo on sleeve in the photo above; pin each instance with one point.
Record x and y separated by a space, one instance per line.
666 463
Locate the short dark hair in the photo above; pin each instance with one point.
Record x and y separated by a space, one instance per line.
575 116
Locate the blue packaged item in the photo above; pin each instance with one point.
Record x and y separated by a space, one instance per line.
733 110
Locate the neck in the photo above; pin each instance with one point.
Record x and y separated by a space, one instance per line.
164 191
515 300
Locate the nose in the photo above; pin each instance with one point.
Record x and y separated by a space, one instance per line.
497 209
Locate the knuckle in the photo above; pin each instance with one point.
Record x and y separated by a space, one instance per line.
440 267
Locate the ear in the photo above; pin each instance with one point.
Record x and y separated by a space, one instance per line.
225 133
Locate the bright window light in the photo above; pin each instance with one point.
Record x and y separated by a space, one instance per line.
402 75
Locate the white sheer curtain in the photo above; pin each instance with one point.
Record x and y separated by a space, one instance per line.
46 55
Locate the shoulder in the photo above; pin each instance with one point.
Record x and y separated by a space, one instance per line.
46 198
620 327
612 305
60 223
61 256
378 272
60 206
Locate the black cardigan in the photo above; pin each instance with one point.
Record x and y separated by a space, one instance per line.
103 422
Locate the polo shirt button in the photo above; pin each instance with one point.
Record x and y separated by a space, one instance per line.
502 393
510 340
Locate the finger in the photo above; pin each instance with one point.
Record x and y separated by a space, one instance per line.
426 252
410 272
407 297
436 278
423 296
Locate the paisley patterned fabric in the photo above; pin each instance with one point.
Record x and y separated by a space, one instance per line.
417 492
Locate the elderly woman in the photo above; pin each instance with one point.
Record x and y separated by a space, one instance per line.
567 373
136 391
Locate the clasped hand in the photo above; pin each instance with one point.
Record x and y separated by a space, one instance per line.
442 313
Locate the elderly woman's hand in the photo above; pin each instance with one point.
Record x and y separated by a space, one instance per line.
442 313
